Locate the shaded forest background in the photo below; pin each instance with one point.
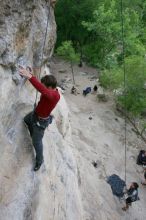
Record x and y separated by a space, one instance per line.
91 32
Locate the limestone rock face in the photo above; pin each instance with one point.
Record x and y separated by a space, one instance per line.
22 31
52 192
68 186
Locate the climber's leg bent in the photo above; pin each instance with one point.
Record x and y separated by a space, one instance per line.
37 137
37 127
128 203
29 121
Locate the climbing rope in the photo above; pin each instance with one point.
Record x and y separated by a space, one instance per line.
124 70
43 48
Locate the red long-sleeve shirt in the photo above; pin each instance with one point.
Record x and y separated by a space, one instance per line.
48 99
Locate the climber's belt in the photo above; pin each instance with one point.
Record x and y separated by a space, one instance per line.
43 118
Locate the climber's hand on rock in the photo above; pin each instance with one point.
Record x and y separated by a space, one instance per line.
24 72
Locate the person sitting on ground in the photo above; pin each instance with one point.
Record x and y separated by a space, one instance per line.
132 193
39 119
73 90
95 88
86 91
141 159
144 182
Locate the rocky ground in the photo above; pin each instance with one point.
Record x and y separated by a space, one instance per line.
68 186
98 135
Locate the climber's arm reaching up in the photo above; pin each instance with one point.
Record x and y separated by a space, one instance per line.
48 92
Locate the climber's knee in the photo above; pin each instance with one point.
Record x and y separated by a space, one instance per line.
28 118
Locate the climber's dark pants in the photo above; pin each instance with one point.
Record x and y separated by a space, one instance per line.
37 127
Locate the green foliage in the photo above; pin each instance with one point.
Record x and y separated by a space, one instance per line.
67 52
134 91
135 79
106 31
95 30
112 79
69 17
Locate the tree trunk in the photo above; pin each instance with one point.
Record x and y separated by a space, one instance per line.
72 71
81 56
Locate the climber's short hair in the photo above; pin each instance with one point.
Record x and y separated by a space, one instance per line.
49 81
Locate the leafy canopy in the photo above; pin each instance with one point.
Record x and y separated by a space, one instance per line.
67 52
134 85
92 30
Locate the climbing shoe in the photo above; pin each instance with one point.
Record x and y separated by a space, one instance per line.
37 166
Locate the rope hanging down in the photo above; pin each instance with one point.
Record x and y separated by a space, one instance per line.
42 55
124 70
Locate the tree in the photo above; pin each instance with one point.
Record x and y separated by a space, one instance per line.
69 17
106 32
94 27
134 90
67 52
131 96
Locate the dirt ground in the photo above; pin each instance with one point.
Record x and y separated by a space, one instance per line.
98 135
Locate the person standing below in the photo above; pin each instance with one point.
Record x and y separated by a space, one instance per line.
132 193
38 120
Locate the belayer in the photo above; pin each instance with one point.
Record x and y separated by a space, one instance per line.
132 195
38 120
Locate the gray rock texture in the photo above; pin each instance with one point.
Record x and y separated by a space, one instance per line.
22 32
68 186
52 192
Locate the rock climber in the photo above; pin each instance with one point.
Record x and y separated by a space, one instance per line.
132 194
38 120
